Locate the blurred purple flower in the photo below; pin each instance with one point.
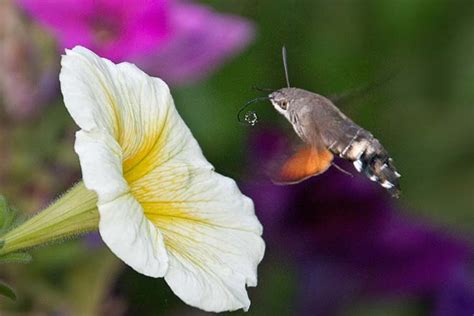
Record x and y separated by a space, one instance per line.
350 241
457 296
175 40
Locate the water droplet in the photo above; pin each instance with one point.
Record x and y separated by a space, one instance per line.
251 118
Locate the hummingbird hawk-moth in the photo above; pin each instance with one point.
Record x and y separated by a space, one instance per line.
326 132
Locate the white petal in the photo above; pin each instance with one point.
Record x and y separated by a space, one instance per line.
132 237
210 231
123 225
88 91
213 264
101 164
121 99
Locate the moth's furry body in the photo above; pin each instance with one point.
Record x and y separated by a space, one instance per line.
319 123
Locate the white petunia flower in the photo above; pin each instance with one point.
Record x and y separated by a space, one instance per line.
163 210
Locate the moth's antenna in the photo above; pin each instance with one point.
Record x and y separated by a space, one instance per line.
285 65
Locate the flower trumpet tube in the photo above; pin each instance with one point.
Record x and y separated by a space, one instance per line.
157 202
74 213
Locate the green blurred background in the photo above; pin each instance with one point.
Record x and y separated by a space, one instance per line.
423 115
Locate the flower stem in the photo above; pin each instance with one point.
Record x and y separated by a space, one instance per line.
73 213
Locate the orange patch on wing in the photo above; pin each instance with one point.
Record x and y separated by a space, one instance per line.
305 163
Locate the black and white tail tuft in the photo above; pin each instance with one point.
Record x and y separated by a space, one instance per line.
369 157
375 163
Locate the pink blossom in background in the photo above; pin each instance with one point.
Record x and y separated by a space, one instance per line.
175 40
112 28
201 40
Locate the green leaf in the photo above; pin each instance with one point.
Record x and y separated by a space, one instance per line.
18 257
7 291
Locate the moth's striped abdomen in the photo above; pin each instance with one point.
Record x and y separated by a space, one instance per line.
370 158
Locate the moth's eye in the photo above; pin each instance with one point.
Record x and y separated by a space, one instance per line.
283 104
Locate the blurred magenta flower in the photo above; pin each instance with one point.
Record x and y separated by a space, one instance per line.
175 40
349 241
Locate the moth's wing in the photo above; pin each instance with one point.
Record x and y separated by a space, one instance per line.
311 159
349 96
303 164
338 131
